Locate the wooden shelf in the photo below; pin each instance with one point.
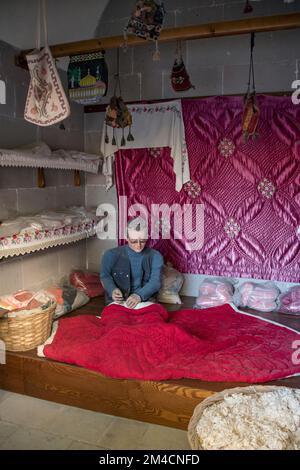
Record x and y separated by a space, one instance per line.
37 245
20 158
34 234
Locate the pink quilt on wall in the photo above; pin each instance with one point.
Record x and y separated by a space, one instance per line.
251 191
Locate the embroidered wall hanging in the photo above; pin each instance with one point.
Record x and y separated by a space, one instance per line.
46 102
155 126
88 78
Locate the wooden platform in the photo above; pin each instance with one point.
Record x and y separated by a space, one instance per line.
169 403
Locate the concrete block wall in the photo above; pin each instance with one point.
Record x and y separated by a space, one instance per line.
40 269
216 66
18 186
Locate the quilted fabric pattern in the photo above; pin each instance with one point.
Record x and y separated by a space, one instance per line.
250 191
215 344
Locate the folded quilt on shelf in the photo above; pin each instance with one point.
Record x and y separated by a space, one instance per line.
41 156
154 125
216 344
25 234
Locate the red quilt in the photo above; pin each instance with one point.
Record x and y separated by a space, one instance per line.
215 344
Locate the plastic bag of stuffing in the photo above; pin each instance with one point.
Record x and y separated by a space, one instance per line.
214 292
258 296
172 281
68 298
289 302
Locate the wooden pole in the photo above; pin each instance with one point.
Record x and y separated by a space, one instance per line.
224 28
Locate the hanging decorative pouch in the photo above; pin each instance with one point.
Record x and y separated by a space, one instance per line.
46 102
180 79
118 115
87 78
250 117
146 19
251 110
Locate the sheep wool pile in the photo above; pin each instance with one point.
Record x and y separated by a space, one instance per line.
262 421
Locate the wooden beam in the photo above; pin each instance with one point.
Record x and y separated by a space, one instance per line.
224 28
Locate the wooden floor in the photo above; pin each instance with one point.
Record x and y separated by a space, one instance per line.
169 403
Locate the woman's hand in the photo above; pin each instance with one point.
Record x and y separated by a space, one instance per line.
117 295
133 300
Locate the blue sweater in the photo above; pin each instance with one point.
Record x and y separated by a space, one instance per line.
145 292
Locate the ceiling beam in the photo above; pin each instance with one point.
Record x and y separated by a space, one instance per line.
224 28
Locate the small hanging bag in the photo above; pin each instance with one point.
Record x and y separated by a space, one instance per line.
46 102
118 115
251 110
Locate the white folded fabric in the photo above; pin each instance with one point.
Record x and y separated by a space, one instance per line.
39 155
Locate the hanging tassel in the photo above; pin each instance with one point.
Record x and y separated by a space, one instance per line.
130 137
124 45
248 7
123 141
114 142
156 54
106 135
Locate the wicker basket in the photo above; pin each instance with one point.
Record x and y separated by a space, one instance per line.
193 437
26 332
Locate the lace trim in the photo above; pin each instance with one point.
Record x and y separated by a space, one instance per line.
16 160
45 244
